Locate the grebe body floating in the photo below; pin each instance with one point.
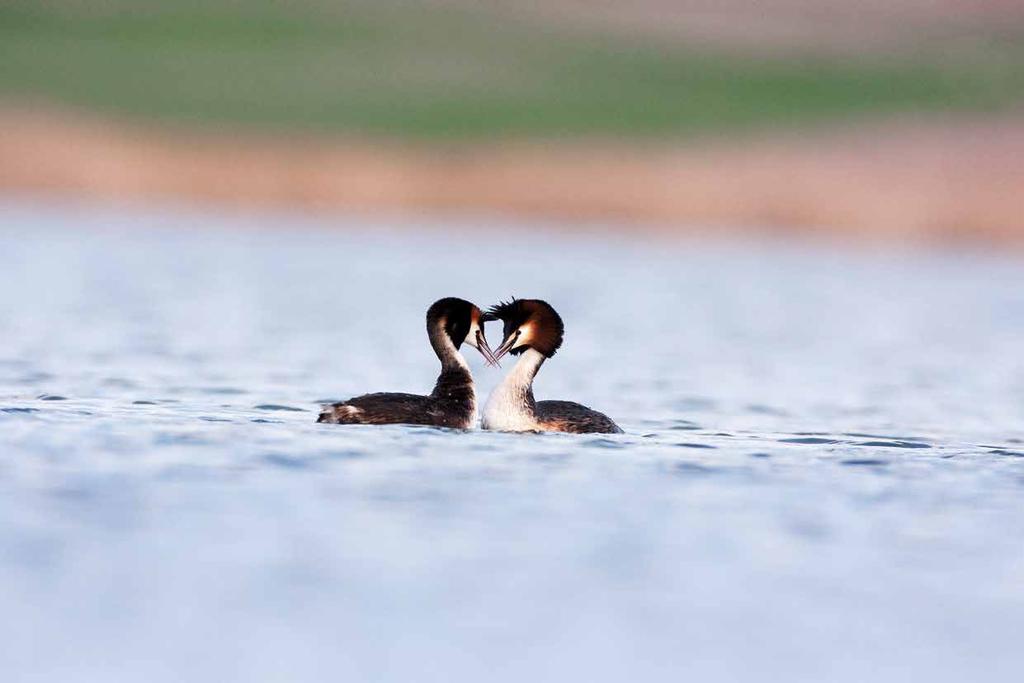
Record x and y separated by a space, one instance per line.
450 323
534 331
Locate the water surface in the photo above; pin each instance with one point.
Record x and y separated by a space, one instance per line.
822 476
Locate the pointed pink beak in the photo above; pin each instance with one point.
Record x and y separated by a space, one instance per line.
507 345
485 349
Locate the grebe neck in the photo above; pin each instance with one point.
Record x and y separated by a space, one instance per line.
526 368
511 406
451 359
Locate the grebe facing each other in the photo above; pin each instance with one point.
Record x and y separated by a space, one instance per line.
450 322
534 331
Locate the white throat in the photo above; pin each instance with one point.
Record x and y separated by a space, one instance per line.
507 408
464 364
459 358
454 353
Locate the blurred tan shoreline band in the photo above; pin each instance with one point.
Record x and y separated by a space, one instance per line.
946 181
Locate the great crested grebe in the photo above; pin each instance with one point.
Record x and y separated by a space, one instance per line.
534 331
450 322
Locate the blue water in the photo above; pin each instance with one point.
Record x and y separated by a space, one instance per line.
822 476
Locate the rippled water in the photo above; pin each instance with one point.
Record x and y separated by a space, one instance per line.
822 476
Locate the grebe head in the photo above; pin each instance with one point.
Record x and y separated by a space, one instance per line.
529 323
462 321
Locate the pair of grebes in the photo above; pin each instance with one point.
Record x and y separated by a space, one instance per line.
533 331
